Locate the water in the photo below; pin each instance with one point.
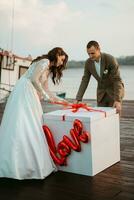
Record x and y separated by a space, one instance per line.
72 78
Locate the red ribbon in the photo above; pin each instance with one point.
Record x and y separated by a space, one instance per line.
76 107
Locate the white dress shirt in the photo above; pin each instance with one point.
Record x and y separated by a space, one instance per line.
97 66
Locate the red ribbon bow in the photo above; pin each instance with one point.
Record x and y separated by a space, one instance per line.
76 107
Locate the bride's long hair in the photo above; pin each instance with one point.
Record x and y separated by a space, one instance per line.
55 70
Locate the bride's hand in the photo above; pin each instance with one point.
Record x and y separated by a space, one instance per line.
65 102
59 100
53 99
62 101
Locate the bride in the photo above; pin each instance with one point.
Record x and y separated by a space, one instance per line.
24 152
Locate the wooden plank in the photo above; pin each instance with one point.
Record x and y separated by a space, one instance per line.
114 183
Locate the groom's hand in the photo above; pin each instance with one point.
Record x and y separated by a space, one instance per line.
76 102
118 107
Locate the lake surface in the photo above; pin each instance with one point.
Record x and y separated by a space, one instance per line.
72 78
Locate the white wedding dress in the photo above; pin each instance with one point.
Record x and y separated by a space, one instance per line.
24 152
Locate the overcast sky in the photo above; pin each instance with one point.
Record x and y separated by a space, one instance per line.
40 25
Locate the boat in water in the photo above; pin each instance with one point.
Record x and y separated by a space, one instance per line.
12 67
61 94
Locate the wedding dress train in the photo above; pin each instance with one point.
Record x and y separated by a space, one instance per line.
24 152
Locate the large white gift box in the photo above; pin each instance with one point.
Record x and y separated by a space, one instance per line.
102 151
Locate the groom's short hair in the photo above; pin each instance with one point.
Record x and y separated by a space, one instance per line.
93 43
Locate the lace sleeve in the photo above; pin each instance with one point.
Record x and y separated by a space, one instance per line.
44 82
40 69
39 79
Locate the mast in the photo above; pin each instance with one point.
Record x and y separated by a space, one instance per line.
10 46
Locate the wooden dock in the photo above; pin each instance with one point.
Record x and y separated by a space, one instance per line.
114 183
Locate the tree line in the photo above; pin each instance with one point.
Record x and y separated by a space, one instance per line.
127 60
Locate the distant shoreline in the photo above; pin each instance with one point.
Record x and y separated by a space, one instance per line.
80 64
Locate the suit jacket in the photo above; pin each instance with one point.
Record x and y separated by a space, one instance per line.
109 80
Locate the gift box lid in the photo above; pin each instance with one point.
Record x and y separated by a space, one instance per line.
68 115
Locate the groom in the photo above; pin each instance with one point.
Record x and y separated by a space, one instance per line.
105 69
